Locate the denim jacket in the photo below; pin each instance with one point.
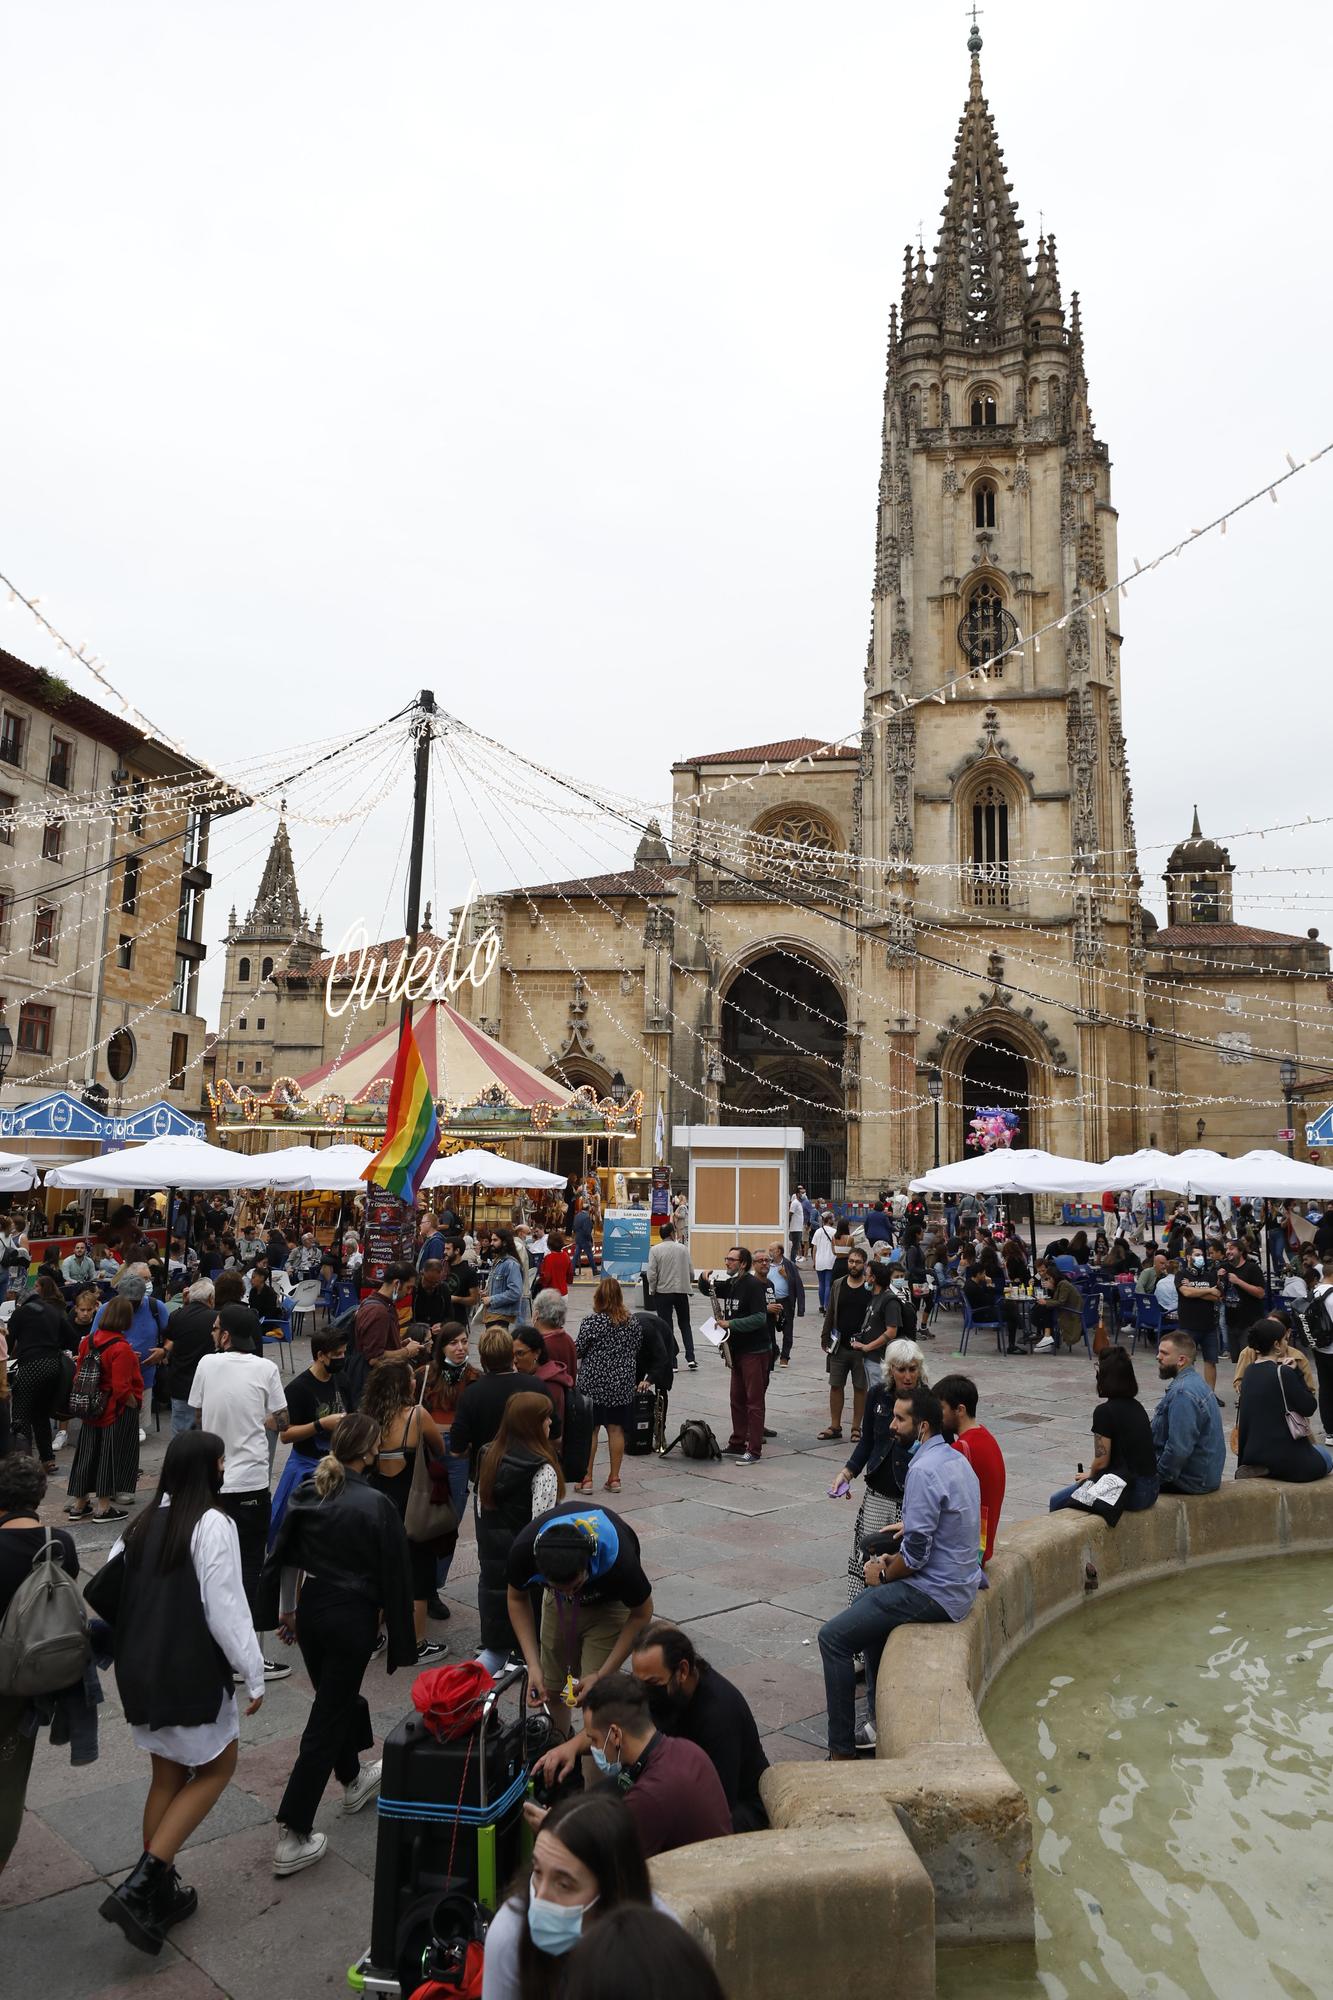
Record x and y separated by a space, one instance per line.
1187 1431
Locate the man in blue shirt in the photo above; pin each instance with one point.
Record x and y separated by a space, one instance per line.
934 1577
1186 1427
789 1291
878 1225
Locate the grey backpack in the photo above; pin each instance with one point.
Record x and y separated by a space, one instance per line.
44 1642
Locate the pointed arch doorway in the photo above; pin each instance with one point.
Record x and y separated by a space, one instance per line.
784 1030
995 1078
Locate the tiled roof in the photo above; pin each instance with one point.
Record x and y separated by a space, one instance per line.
776 753
640 881
1196 936
391 951
33 685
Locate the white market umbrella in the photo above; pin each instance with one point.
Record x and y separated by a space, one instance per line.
1190 1172
305 1169
1263 1175
17 1173
188 1164
1010 1170
475 1167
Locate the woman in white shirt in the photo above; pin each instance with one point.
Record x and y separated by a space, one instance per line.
822 1243
182 1631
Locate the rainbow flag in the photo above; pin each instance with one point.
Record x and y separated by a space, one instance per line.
411 1133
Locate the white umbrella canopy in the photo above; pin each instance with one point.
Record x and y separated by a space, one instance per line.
1190 1172
475 1167
1265 1175
1010 1170
17 1173
301 1169
161 1163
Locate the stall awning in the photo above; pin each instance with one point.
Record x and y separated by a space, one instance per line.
461 1062
61 1115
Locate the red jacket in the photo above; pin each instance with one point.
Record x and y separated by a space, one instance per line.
557 1271
121 1375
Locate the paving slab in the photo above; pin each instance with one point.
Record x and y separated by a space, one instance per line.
110 1835
59 1948
42 1864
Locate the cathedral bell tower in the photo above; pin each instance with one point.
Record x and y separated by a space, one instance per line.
995 806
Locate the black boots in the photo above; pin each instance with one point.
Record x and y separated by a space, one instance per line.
148 1902
134 1904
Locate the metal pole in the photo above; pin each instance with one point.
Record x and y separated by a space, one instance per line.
1032 1225
1291 1135
423 731
937 1132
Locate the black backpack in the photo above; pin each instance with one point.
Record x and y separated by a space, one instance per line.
696 1439
1318 1322
576 1434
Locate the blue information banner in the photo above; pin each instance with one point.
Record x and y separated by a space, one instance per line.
626 1240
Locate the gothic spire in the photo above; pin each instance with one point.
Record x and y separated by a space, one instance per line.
277 903
981 276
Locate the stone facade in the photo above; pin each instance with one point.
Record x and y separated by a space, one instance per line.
103 870
955 896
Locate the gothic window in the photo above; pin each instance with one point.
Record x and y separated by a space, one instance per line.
987 629
795 842
983 503
243 971
266 969
986 834
984 411
1205 902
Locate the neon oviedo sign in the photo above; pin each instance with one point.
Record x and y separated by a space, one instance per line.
433 972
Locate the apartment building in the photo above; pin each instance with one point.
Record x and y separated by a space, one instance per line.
103 871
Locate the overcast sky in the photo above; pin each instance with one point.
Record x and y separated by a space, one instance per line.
535 354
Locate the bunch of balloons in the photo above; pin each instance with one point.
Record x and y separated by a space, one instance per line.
990 1129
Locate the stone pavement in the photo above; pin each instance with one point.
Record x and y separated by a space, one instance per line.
751 1558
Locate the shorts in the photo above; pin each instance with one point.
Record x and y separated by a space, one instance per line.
842 1363
617 1416
1209 1344
580 1644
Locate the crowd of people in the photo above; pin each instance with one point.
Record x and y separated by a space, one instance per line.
458 1389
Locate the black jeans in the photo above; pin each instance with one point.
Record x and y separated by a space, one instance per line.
787 1324
250 1512
664 1304
1323 1368
36 1392
336 1635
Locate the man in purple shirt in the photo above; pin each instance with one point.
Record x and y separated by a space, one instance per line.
933 1578
670 1786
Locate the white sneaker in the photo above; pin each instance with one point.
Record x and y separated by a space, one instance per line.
59 1440
143 1437
297 1851
1046 1346
866 1737
361 1789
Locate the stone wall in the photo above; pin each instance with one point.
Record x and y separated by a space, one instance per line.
933 1839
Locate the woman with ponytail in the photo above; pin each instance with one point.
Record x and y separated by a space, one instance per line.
340 1559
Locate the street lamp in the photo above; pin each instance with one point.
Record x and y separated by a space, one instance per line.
935 1085
619 1089
1286 1070
1200 1129
6 1050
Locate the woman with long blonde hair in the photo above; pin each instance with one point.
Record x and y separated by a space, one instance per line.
519 1478
339 1558
608 1351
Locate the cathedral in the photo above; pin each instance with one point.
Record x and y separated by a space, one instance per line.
875 940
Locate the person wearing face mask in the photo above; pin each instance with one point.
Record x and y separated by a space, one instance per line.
1186 1429
669 1784
1200 1289
316 1405
183 1631
934 1577
687 1697
376 1330
586 1862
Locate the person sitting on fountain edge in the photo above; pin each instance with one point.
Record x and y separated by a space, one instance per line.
934 1577
1186 1427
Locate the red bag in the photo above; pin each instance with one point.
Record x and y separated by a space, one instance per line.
449 1699
468 1987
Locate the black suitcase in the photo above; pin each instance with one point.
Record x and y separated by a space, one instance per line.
465 1795
640 1437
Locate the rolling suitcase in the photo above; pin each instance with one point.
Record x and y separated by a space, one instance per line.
450 1822
641 1432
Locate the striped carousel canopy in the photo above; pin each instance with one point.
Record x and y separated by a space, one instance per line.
461 1064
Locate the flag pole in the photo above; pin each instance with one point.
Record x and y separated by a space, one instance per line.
422 730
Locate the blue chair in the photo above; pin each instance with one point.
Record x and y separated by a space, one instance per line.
280 1329
971 1325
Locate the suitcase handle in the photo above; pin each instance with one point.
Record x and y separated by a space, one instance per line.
506 1681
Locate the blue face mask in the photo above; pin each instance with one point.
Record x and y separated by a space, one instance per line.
916 1446
555 1927
610 1767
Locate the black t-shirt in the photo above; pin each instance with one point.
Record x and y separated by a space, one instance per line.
1242 1308
481 1406
460 1281
433 1304
18 1546
308 1399
1196 1315
853 1305
1126 1423
190 1332
719 1720
622 1581
886 1314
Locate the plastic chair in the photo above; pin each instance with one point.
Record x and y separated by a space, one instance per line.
306 1302
279 1330
971 1325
